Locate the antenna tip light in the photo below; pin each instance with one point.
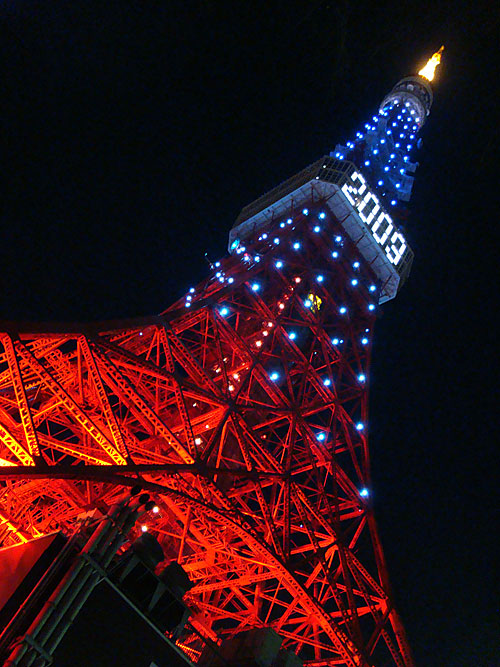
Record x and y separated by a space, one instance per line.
429 69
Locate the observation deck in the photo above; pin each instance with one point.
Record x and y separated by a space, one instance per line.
342 188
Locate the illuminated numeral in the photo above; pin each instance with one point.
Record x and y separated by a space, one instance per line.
397 249
383 218
352 191
367 219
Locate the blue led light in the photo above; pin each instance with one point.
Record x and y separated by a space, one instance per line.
367 163
230 280
187 304
307 303
296 245
255 287
375 151
356 265
327 382
335 254
264 236
217 264
373 288
274 376
360 426
398 185
364 493
289 221
189 297
354 282
338 239
335 341
386 168
218 274
191 290
322 215
317 229
371 306
282 224
279 264
221 279
382 141
224 311
364 341
292 335
342 310
305 211
361 377
320 437
393 202
320 278
380 183
276 240
256 259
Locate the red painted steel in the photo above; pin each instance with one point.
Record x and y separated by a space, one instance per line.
261 479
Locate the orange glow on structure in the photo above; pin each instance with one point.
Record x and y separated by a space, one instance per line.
428 71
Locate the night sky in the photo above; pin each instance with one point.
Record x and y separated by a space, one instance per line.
132 133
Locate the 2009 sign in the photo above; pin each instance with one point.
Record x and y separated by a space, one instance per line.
375 218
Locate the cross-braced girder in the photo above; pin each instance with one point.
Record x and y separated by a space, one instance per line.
244 408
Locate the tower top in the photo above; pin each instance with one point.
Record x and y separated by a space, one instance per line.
430 68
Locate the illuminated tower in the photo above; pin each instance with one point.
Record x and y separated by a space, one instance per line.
243 408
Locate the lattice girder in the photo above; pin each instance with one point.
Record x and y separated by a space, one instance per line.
244 409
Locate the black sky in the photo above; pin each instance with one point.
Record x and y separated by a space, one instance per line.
132 133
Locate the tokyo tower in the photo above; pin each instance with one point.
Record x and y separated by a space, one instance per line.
243 408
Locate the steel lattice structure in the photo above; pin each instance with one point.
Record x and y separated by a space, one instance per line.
243 408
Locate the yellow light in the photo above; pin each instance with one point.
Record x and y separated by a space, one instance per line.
316 302
428 71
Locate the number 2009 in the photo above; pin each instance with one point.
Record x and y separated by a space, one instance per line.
371 213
